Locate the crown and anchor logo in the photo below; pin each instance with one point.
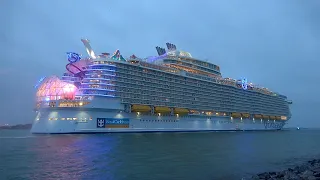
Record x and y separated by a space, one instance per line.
244 83
100 123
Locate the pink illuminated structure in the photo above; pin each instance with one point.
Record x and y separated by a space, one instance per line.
52 88
78 68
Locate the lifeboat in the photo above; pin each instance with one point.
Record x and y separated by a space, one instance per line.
194 112
140 108
236 115
245 115
278 117
220 113
162 110
181 111
265 117
272 117
258 116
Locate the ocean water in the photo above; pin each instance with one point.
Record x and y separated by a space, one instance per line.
205 156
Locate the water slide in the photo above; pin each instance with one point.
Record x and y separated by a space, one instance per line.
76 66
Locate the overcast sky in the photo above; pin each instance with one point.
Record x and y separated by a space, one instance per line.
273 43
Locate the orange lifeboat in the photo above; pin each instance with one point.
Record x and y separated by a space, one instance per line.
265 117
236 115
258 116
162 110
245 115
140 108
181 111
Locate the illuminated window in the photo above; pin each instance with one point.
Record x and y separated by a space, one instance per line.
63 118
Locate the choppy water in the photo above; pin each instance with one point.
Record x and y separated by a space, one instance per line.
222 155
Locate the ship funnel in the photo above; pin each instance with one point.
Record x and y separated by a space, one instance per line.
171 47
160 50
90 51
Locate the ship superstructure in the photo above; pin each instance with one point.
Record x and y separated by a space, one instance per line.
169 92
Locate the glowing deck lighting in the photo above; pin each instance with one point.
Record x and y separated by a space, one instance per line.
54 89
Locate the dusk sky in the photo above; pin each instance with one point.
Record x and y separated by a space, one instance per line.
273 43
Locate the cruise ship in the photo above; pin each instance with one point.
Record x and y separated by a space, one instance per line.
169 92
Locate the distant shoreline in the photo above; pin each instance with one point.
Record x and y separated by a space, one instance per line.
18 126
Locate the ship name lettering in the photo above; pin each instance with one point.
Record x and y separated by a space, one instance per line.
272 125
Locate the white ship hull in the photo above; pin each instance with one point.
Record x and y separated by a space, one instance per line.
106 122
